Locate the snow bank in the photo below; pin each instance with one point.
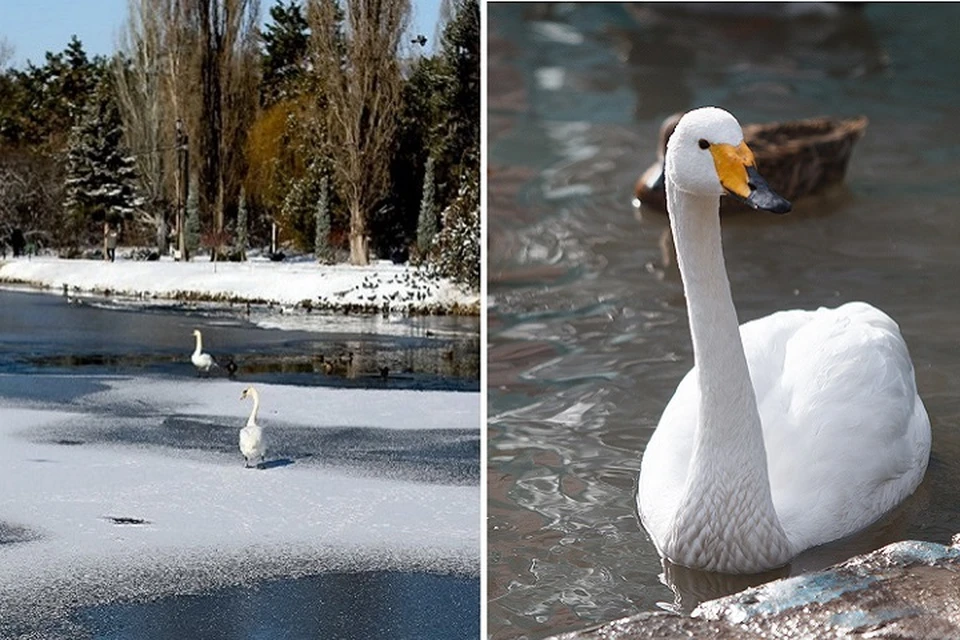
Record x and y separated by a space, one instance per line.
206 520
378 287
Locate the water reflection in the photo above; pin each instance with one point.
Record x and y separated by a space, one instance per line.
587 331
690 587
43 332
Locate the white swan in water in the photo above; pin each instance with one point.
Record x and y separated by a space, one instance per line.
791 431
252 444
202 361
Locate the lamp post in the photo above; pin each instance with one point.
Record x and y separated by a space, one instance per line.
183 187
183 173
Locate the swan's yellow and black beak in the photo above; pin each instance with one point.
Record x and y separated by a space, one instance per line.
738 174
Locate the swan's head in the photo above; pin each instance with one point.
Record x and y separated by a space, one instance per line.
249 391
196 333
706 156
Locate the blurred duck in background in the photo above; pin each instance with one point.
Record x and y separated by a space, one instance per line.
798 158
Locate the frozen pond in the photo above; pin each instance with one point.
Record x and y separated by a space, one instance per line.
127 511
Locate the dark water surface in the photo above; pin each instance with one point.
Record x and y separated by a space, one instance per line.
43 332
588 333
415 606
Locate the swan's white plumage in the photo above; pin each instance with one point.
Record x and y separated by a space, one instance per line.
253 446
834 465
844 432
202 361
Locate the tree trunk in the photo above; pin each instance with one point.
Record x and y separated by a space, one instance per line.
211 122
358 236
162 236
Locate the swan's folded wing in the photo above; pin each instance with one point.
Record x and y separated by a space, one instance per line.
846 434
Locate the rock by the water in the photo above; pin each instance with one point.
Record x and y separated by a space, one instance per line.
904 590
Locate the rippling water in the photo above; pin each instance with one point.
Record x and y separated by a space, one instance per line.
587 329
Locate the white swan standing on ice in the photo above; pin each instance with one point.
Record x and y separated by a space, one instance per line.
252 444
791 431
202 361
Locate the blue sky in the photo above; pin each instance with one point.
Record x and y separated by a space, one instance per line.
34 27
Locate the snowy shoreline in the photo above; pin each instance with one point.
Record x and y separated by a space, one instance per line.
381 287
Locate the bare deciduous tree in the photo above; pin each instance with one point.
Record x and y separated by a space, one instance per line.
31 190
227 57
139 74
360 81
194 62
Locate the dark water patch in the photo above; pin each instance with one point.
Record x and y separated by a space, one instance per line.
438 370
41 332
444 456
13 533
386 366
365 606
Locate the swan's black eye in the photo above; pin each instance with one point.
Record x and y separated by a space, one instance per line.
703 143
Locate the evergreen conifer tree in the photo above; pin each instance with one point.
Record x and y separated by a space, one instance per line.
286 42
193 220
322 250
100 173
427 224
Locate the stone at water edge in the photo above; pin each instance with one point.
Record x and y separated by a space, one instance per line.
904 590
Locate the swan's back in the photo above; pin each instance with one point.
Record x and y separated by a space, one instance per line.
846 435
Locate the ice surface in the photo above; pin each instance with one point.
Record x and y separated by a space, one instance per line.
208 521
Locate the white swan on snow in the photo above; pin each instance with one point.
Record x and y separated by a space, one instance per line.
202 361
252 445
790 431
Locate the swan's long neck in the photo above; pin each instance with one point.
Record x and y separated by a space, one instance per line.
199 348
726 520
252 420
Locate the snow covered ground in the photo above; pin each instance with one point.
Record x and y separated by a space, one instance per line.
380 286
133 488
